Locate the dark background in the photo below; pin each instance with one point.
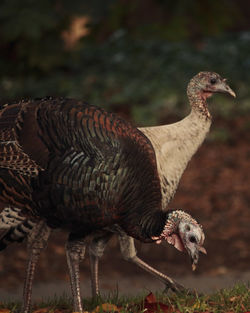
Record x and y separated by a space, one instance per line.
135 57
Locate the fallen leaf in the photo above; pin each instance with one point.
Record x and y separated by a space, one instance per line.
151 305
4 311
233 299
197 305
150 298
106 307
42 310
244 309
158 307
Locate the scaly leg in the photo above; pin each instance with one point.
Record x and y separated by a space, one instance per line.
129 253
37 241
94 268
168 281
96 249
75 251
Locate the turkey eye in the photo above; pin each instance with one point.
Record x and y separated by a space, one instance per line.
192 239
213 81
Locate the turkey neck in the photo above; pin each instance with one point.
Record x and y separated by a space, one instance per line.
175 144
151 224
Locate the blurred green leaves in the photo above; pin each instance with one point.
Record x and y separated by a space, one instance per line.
137 56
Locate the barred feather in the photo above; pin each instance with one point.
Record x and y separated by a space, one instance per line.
13 227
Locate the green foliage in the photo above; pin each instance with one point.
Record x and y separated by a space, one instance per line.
173 20
131 60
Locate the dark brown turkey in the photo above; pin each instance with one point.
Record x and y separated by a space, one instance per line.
66 164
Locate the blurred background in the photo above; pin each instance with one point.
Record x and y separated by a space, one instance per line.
136 57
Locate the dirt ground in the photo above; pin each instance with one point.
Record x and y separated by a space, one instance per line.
215 189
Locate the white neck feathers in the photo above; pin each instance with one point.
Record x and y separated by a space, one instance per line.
174 146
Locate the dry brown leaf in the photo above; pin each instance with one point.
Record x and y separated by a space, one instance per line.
106 307
4 311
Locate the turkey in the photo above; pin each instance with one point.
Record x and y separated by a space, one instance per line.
69 165
180 230
16 228
174 146
66 164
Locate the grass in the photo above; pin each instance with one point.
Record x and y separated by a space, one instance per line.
234 300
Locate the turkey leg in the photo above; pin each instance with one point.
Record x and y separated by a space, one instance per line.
37 241
96 249
128 251
75 251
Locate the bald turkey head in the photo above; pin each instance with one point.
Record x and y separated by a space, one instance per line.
207 83
184 233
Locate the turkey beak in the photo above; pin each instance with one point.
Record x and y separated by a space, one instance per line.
202 250
195 258
224 88
194 254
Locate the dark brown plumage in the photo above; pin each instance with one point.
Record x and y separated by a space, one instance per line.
82 168
68 164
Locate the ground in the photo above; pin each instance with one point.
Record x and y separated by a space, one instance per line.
214 189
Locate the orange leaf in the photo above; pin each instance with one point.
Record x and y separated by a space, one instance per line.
42 310
150 298
4 311
106 307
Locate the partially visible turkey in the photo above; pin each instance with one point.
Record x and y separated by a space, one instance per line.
174 146
70 165
180 230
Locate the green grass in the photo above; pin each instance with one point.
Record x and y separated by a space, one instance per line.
234 300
